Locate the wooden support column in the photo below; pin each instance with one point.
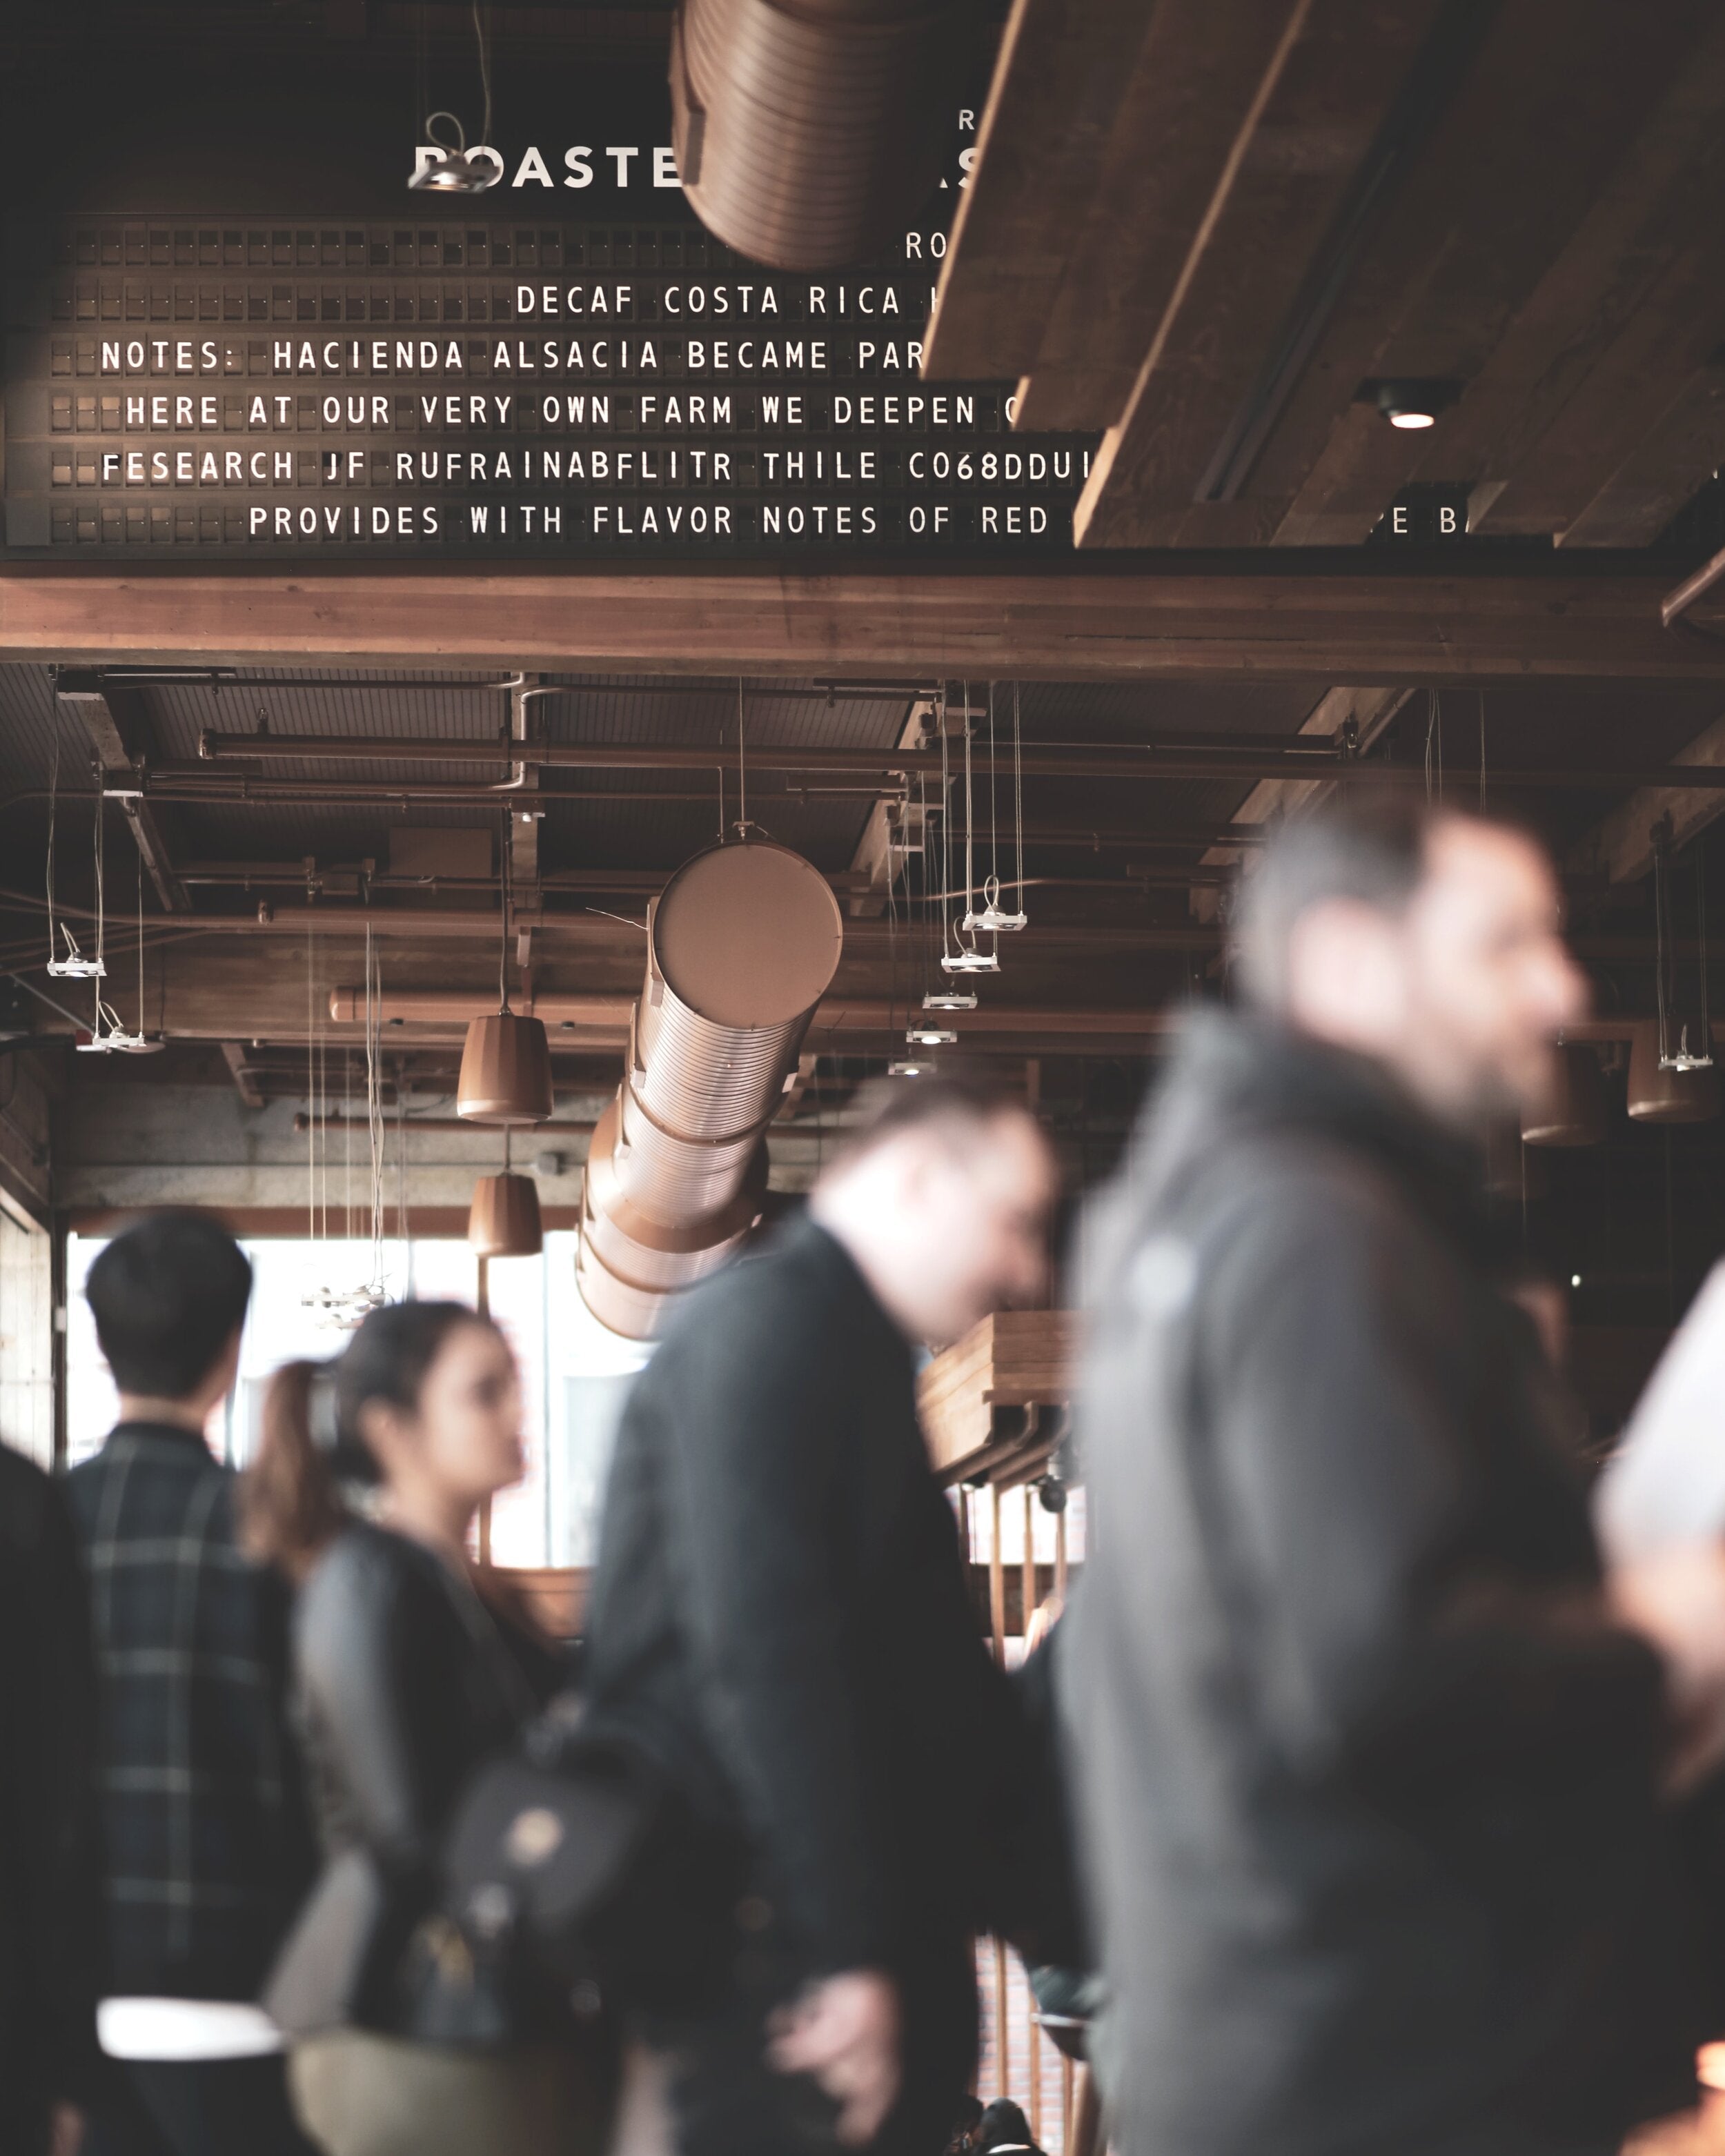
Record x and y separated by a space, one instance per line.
1084 2124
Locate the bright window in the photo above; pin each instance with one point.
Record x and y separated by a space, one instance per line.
574 1374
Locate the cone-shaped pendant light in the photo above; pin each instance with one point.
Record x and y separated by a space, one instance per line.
504 1222
506 1064
505 1070
1574 1115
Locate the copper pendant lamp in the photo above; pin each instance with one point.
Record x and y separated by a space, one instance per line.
506 1063
1574 1114
505 1070
504 1221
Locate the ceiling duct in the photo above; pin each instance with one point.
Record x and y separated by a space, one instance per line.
808 135
742 944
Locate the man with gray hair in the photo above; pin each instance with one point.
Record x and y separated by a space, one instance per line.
1368 1758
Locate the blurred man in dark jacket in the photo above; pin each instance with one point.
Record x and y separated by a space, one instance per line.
780 1615
1367 1759
48 1911
205 1843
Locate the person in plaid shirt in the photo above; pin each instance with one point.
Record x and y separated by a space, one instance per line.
206 1849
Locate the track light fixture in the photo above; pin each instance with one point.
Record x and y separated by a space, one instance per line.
1411 403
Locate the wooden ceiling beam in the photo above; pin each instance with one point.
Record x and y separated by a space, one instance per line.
1319 90
1034 184
1184 95
1367 710
1571 168
1619 847
1103 622
1683 450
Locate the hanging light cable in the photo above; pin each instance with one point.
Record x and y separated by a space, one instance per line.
743 769
505 1062
140 1043
974 920
457 170
994 916
106 1024
74 965
311 1085
374 1109
968 958
949 999
1667 1085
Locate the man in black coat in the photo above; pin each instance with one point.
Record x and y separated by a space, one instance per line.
1368 1760
780 1616
48 1907
205 1843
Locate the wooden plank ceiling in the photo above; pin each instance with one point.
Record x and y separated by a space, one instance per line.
1207 227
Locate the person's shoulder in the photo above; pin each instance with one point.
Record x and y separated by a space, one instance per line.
20 1478
1299 1187
27 1499
365 1570
770 1292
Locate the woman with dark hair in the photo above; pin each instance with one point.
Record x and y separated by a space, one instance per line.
408 1676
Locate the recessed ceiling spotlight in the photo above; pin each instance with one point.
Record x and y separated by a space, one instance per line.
1413 405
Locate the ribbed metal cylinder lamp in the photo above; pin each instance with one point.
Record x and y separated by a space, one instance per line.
1574 1115
504 1221
1657 1096
505 1070
807 134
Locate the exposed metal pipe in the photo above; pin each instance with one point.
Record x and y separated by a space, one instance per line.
444 1126
591 926
455 1007
1144 761
240 793
742 944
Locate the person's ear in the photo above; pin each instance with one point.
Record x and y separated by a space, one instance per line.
1347 970
224 1371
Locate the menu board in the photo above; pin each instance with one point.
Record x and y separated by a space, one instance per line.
484 376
